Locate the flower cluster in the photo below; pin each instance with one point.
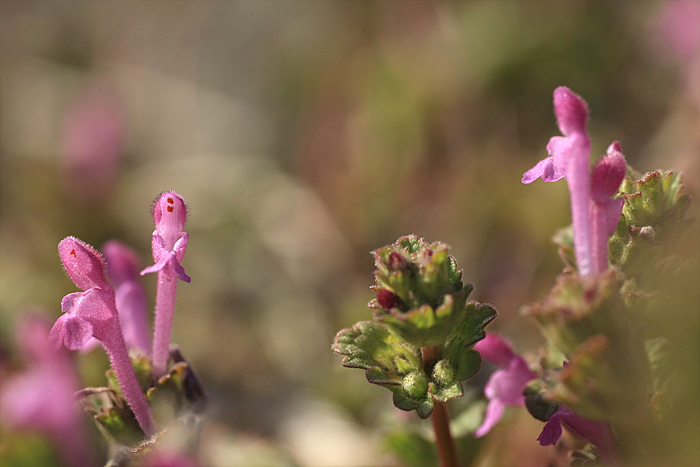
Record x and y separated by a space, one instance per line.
113 313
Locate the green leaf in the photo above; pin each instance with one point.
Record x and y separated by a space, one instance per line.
412 449
385 356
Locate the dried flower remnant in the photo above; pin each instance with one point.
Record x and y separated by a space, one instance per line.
168 244
93 313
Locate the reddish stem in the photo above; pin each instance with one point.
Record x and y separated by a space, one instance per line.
443 438
440 417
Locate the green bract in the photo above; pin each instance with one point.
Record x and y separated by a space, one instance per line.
419 290
419 345
171 397
652 221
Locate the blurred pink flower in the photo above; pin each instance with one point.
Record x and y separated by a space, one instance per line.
505 386
41 398
123 267
678 24
597 432
93 138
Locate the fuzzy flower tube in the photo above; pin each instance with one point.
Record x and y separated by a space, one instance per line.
93 313
570 158
605 211
168 244
123 271
41 399
594 214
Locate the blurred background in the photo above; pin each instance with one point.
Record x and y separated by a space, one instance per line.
304 135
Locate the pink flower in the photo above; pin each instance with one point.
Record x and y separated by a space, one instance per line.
41 399
597 432
505 387
93 139
605 212
123 267
93 313
168 245
592 213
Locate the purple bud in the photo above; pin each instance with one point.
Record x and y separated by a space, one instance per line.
387 299
396 261
607 176
605 212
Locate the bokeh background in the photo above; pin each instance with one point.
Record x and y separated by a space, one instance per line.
304 135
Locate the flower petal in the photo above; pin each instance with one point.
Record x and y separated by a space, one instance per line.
545 169
571 111
551 431
83 264
495 349
494 413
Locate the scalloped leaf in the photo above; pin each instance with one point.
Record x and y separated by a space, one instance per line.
385 356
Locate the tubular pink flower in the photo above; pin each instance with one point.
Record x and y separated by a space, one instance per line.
594 215
123 268
597 432
505 386
41 399
570 158
605 212
168 244
93 313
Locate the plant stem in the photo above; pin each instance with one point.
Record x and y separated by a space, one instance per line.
440 417
119 357
443 438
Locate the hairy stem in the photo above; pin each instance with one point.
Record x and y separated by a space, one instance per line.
119 357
